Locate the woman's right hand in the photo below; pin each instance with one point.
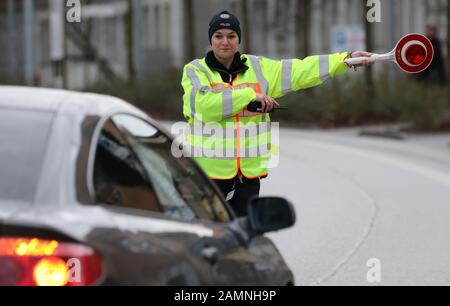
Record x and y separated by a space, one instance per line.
267 103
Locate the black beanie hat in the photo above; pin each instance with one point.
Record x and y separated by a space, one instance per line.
224 20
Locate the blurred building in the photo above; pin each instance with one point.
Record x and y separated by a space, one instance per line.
166 33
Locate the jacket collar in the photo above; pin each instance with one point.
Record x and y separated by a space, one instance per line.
238 64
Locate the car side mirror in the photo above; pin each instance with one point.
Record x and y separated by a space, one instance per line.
268 214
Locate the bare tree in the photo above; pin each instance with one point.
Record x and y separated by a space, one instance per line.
369 45
189 36
11 15
303 27
246 26
306 27
129 42
448 39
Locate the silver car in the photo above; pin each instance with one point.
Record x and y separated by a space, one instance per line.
91 194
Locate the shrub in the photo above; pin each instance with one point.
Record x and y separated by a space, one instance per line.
337 103
160 96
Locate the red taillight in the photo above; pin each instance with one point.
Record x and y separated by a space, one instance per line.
38 262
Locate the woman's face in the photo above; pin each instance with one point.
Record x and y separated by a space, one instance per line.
225 43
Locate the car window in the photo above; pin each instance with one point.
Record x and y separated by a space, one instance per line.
177 181
119 179
23 141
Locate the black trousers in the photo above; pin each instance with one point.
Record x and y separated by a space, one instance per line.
244 189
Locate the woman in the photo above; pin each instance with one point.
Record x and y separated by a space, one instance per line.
230 142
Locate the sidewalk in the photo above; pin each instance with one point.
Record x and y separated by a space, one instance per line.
432 141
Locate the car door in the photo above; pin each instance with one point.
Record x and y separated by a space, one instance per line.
228 259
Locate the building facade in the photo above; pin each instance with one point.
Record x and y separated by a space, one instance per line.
165 34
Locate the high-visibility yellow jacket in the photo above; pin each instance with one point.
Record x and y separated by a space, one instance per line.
223 136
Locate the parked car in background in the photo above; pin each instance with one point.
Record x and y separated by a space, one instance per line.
90 194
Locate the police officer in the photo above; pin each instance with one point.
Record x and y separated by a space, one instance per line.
230 142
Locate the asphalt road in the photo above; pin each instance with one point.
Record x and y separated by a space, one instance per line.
363 198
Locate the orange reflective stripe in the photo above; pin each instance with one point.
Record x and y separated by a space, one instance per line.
246 113
249 177
254 177
219 87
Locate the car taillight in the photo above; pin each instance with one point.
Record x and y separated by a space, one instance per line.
39 262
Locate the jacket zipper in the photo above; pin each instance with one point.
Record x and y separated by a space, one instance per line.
238 134
230 74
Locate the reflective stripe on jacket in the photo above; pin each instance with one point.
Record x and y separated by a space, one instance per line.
223 136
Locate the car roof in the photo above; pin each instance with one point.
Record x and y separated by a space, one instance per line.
46 99
69 103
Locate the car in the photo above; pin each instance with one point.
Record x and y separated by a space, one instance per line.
91 194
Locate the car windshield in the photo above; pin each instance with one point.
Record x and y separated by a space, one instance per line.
23 139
